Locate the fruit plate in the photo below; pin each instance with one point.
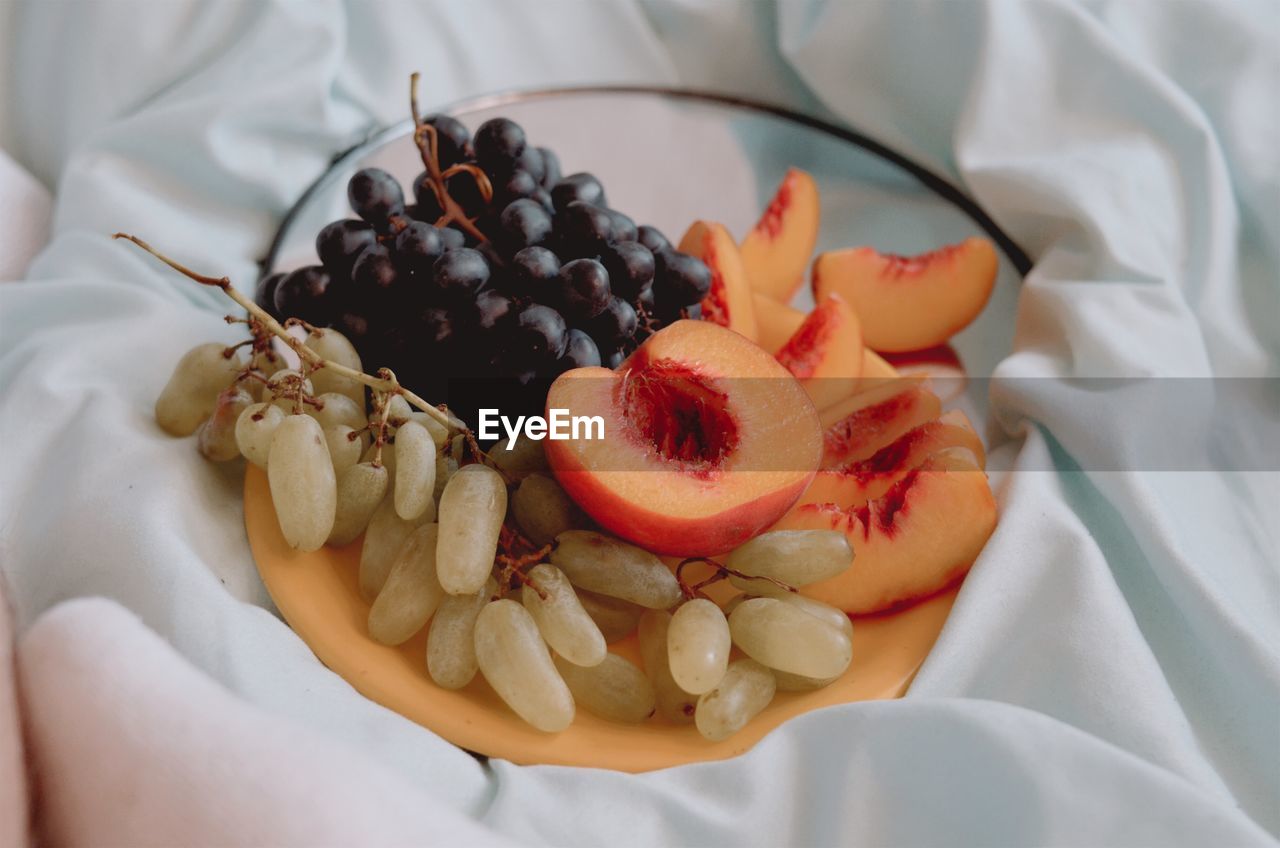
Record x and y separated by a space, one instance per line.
667 157
317 595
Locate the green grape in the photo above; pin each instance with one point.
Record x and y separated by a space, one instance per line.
796 557
303 486
412 592
698 646
439 433
282 386
788 682
617 619
543 510
415 470
254 429
344 451
674 703
382 540
333 346
192 391
472 508
746 688
451 643
335 408
525 457
606 565
613 689
361 488
561 620
516 663
445 469
216 437
835 617
784 636
388 460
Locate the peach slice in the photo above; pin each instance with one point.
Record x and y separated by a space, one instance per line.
728 303
825 353
941 364
775 322
910 302
707 441
921 536
857 427
864 480
777 249
875 368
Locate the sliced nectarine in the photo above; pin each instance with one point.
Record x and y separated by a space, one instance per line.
775 322
777 249
922 535
875 368
857 427
858 482
707 441
728 303
910 302
941 364
825 353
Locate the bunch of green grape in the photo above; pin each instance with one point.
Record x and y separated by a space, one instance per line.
490 554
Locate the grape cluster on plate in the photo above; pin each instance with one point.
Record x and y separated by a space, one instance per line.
539 275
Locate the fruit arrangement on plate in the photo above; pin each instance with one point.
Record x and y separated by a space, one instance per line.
763 476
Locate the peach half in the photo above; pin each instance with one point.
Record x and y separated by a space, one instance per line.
825 353
728 303
921 536
910 302
858 482
855 428
777 250
776 322
707 441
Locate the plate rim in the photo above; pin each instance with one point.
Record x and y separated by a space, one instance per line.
927 177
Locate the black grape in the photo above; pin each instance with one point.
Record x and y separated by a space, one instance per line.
498 144
551 167
682 279
652 238
375 196
624 229
615 325
460 273
583 228
453 140
265 294
630 266
306 293
339 243
584 187
524 223
418 246
541 334
580 351
535 273
584 289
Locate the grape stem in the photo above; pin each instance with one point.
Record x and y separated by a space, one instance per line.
722 572
312 360
427 141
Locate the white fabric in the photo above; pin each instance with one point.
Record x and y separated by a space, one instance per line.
1110 672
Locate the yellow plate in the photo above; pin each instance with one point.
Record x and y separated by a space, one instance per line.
316 593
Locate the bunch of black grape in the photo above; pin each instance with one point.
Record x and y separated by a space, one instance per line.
546 279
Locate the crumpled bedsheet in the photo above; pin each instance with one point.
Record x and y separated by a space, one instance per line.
1109 674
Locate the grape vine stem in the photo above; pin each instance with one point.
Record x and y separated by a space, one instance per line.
313 360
